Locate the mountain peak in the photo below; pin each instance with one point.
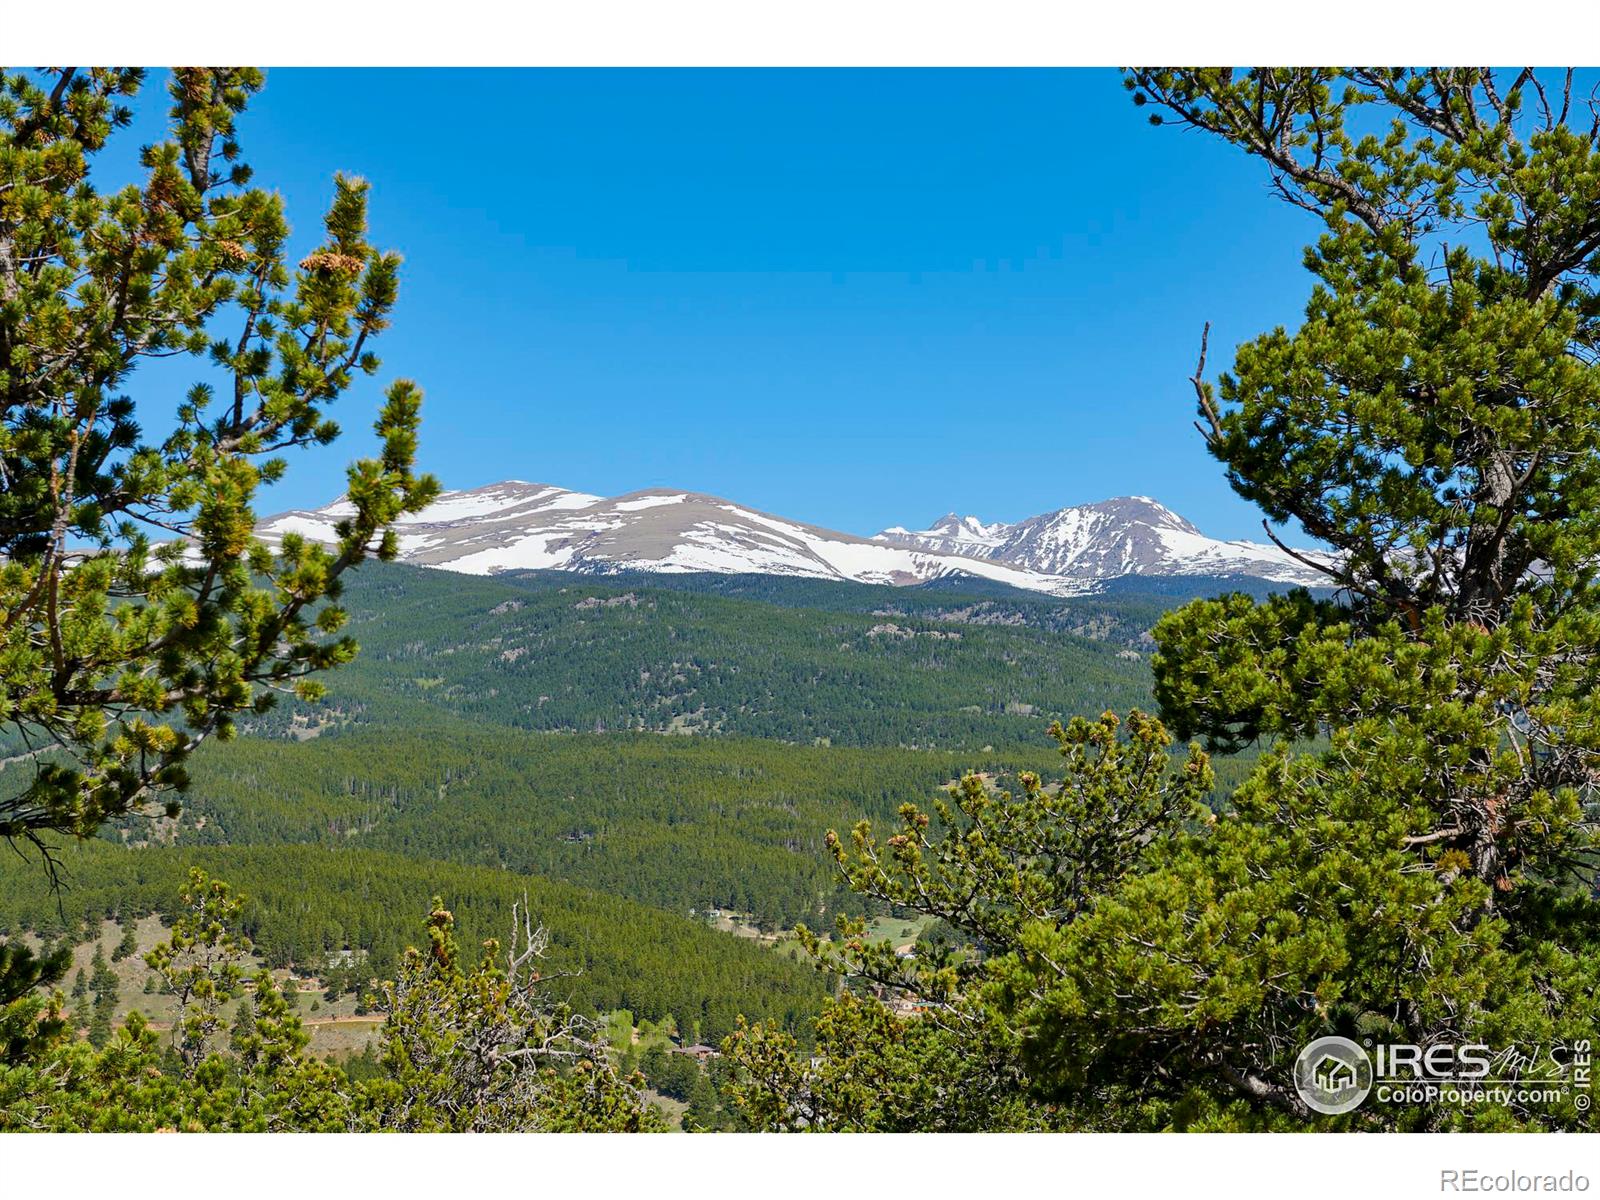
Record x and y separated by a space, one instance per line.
1141 509
1124 535
954 533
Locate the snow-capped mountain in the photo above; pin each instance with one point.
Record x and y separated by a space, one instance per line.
951 534
514 525
1130 535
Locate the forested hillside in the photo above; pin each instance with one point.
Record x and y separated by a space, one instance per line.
684 823
424 747
574 655
309 902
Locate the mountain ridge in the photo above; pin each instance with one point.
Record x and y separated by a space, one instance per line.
518 525
1109 539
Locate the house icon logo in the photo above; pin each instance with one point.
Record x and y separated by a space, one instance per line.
1333 1075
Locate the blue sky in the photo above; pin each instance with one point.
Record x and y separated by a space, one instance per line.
858 298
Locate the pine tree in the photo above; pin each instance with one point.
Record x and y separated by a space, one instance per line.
491 1048
201 964
99 1025
129 943
188 261
1414 858
1009 871
29 1021
244 1026
1435 420
104 984
102 978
